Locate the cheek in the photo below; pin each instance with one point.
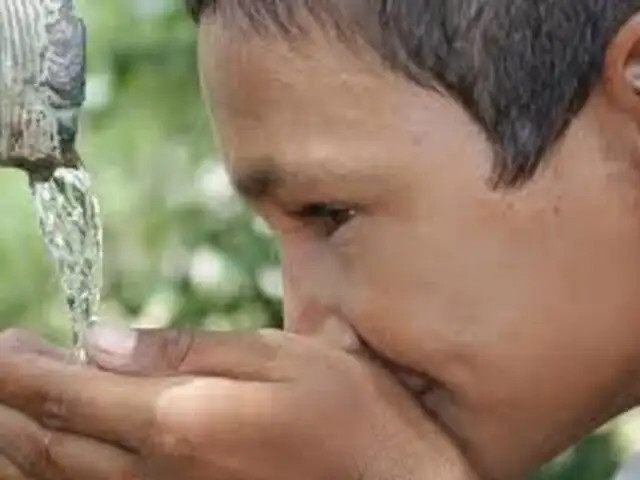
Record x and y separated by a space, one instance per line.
487 289
407 295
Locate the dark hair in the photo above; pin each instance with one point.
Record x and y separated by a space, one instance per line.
522 68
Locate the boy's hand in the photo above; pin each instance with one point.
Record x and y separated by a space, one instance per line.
246 406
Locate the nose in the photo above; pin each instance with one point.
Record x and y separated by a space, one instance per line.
313 296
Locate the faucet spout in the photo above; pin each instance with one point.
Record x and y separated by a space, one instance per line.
42 84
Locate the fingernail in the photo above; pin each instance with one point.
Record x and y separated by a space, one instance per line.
116 340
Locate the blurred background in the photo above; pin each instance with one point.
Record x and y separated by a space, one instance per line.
180 248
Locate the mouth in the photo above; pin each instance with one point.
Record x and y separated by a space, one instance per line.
421 386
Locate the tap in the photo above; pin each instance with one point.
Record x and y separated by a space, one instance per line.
42 84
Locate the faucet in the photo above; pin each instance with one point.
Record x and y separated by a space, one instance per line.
42 84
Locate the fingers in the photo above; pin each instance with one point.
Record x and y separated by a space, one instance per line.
79 399
8 471
122 409
21 341
33 452
265 355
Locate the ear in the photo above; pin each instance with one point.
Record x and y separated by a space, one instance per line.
621 74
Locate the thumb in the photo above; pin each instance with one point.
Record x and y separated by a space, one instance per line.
251 355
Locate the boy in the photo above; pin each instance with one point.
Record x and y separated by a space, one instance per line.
455 189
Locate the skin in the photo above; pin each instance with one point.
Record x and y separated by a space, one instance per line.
447 330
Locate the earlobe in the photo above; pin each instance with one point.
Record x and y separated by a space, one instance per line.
621 73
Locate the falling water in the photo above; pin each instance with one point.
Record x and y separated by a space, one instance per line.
42 89
69 220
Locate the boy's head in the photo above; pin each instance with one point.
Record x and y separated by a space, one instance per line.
521 69
456 185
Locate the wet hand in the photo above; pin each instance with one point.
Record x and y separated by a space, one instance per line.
246 406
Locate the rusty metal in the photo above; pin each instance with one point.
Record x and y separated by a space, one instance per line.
42 83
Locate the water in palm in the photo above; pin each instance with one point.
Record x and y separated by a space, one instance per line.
69 220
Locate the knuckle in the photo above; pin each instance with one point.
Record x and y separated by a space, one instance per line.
37 458
57 410
173 440
168 349
278 355
277 342
175 346
273 336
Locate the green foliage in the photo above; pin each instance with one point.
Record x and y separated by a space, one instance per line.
179 248
595 458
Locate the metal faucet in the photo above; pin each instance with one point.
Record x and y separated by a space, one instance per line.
42 84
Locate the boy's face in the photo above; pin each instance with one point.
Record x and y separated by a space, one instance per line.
516 311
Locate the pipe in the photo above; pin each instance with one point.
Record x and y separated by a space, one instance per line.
42 84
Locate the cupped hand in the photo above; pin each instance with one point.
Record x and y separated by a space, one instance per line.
201 405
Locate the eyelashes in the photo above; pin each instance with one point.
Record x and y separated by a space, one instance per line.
327 218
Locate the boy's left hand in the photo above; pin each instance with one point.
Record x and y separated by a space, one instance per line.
246 406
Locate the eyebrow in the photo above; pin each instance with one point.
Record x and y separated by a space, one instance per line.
260 178
256 183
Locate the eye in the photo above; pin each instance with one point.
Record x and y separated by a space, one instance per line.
326 217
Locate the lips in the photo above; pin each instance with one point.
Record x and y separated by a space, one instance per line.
420 385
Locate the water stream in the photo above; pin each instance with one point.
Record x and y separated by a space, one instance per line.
69 220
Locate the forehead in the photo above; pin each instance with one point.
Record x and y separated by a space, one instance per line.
313 102
253 72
